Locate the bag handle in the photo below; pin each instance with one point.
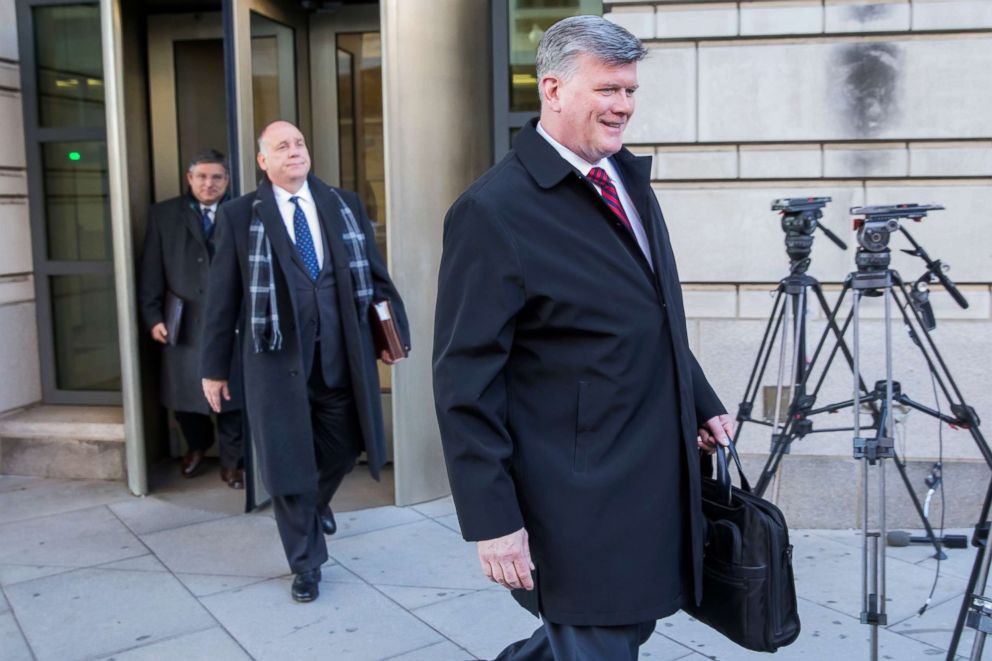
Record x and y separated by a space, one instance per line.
723 470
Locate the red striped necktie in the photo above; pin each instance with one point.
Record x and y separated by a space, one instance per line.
599 177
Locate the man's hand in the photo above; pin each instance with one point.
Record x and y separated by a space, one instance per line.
718 429
384 357
213 390
159 334
506 560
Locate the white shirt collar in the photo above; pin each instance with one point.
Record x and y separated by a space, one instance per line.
576 161
211 207
283 195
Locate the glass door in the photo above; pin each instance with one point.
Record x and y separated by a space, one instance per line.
68 185
187 94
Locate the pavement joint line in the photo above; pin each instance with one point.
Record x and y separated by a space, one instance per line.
690 652
934 604
404 608
186 525
389 527
182 585
105 655
4 524
17 622
246 585
425 647
65 570
885 628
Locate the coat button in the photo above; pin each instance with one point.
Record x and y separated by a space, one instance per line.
199 260
199 291
293 372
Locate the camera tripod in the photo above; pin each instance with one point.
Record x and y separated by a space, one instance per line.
791 300
874 278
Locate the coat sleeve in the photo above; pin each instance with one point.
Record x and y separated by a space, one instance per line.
224 293
706 400
480 292
382 285
151 287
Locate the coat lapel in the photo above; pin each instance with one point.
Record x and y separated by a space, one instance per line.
549 169
275 229
194 221
636 174
331 224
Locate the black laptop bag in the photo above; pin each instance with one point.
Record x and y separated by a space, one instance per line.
749 593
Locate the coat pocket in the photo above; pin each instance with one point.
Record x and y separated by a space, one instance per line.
583 427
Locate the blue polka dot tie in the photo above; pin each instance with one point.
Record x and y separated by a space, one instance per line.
304 240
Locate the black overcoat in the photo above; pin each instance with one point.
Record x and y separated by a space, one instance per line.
175 257
276 401
553 342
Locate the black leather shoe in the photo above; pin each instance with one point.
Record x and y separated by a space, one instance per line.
306 585
327 523
193 463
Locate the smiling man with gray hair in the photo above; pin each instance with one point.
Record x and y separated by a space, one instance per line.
571 408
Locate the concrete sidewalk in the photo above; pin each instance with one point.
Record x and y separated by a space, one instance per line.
89 572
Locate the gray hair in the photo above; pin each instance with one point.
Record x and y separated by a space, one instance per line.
567 39
208 156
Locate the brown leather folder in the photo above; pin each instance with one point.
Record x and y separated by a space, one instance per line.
384 332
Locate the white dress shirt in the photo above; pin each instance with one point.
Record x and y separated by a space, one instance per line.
287 209
583 166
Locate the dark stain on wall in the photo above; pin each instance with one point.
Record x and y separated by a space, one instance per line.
869 90
865 13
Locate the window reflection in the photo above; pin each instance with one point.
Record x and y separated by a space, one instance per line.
361 141
528 21
69 65
84 312
77 202
273 71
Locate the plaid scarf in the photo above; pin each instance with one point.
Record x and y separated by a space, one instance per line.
265 333
361 274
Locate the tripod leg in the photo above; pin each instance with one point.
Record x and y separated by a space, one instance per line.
937 546
771 465
782 437
746 407
980 567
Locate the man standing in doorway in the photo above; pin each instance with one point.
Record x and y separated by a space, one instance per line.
571 408
176 259
300 257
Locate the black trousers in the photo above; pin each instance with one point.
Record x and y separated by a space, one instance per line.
198 429
337 439
566 642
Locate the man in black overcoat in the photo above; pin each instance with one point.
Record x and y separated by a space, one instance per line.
176 258
300 258
571 408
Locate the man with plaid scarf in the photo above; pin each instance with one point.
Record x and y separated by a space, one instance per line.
299 257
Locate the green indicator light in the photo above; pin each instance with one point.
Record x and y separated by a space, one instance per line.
74 156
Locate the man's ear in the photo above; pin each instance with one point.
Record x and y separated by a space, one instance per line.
550 87
260 159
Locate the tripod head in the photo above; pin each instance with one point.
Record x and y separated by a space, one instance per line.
874 255
877 226
800 218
